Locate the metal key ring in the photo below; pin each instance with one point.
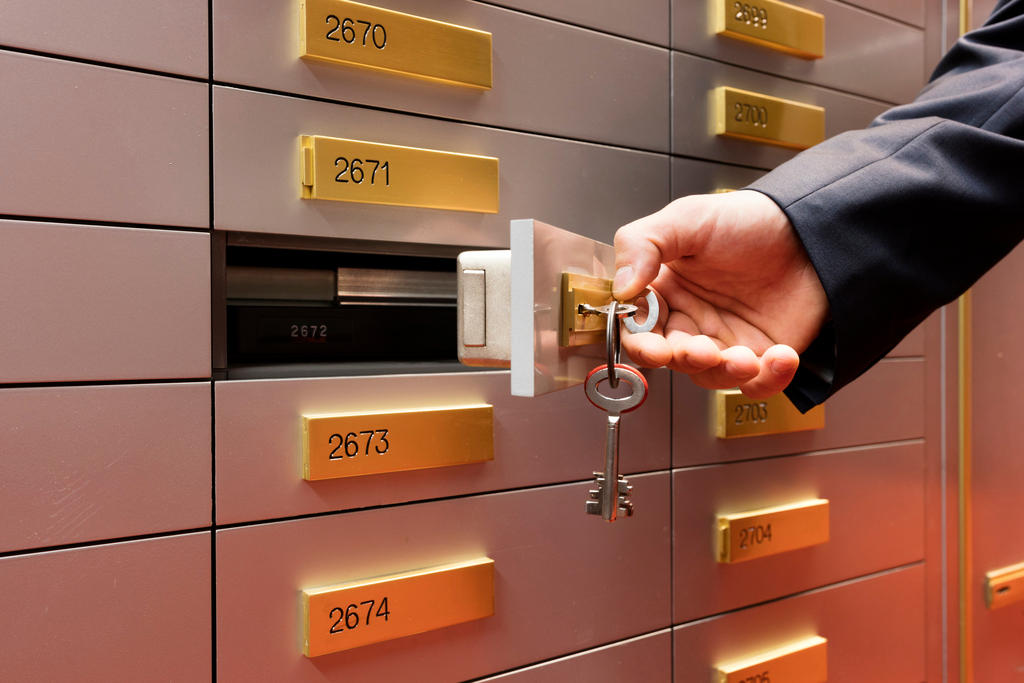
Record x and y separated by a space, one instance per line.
653 310
612 343
609 403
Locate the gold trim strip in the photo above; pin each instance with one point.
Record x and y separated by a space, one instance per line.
344 32
358 444
964 493
753 116
350 615
340 169
772 24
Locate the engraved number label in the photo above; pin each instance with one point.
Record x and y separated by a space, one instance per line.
357 171
309 331
757 678
351 617
751 412
349 445
373 34
752 114
755 535
752 15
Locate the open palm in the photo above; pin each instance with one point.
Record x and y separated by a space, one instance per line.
739 296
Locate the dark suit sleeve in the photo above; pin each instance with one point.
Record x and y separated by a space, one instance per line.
902 217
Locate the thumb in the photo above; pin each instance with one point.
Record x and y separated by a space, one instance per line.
643 245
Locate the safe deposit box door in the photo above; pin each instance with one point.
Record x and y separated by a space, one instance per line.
521 308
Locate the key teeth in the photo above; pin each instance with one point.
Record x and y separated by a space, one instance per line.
625 506
593 507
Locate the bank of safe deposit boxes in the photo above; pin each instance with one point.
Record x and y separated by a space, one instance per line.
236 440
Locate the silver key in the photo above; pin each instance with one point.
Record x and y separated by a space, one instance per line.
611 496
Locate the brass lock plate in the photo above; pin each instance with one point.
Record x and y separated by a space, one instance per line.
578 327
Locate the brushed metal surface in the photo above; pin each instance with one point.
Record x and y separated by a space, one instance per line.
163 36
97 303
645 20
908 11
693 176
997 468
644 658
86 463
548 577
545 73
886 404
876 521
874 627
90 142
259 429
693 80
865 54
136 611
589 189
540 254
912 345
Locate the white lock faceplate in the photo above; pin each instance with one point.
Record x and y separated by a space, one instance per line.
511 302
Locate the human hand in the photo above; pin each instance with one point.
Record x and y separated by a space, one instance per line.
739 296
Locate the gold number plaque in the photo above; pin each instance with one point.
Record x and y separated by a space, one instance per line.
1004 586
748 535
357 444
736 416
340 31
374 173
805 661
349 615
762 118
772 24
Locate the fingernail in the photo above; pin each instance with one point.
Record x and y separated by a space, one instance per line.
779 367
623 277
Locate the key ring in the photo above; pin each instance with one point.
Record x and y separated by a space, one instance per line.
612 343
613 336
653 311
623 404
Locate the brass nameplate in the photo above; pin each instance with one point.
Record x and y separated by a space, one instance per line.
805 661
1004 586
358 613
763 118
772 24
737 415
577 327
340 31
374 173
769 531
357 444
